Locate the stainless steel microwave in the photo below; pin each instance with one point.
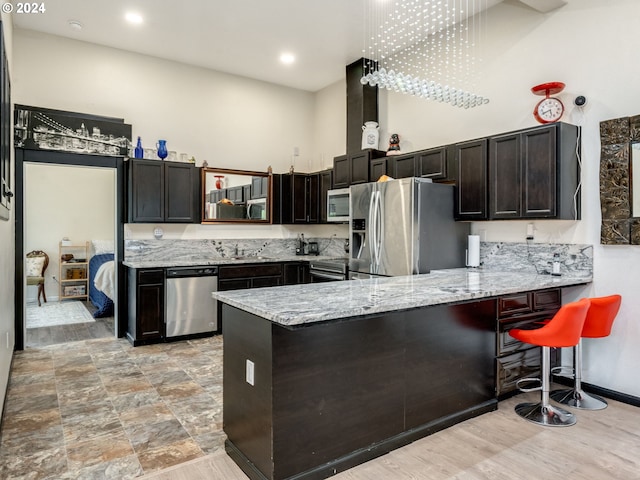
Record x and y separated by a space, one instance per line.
338 205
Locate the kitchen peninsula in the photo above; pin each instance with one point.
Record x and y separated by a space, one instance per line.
319 378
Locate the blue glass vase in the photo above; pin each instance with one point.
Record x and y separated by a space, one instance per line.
139 152
162 149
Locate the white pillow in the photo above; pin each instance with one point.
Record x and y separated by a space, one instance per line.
34 266
102 246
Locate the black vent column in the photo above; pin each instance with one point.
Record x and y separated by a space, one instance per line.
362 103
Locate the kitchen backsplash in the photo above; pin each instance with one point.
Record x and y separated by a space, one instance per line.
574 259
158 250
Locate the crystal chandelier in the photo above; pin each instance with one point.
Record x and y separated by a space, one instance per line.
426 48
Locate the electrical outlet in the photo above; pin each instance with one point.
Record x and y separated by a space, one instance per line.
250 375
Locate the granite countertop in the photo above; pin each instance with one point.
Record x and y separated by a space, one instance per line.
169 263
297 305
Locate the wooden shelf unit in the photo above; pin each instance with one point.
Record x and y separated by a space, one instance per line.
74 274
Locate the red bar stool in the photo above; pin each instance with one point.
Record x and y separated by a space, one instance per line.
563 330
600 317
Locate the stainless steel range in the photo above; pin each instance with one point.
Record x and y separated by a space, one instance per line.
328 270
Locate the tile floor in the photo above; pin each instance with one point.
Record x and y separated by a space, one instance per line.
40 337
101 409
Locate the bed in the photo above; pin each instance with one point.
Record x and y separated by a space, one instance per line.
101 281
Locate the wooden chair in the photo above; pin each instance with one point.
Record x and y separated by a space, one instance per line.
37 263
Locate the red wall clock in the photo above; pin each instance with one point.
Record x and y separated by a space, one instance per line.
549 109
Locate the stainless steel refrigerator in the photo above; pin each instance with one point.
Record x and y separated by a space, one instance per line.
404 227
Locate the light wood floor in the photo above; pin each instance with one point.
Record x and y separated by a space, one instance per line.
499 445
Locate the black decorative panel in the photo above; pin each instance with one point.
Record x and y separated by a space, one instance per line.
614 131
614 181
615 232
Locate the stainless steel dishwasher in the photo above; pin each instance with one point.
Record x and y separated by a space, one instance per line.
190 308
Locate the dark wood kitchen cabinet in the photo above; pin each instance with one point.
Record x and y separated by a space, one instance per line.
402 166
296 198
516 360
254 275
163 192
377 168
353 169
295 273
470 164
432 164
325 182
145 305
534 174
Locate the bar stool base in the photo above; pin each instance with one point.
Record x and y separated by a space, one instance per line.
579 399
548 415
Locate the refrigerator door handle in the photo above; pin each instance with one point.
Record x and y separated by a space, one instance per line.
370 229
380 229
377 230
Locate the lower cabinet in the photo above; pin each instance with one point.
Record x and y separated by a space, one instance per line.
516 360
255 275
146 305
295 273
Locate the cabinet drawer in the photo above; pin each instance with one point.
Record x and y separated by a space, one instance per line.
146 277
513 367
266 282
547 299
514 304
250 271
238 284
506 343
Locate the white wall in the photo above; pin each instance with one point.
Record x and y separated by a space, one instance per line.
7 255
230 121
66 201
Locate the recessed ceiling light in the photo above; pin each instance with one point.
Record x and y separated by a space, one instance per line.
134 18
75 24
287 58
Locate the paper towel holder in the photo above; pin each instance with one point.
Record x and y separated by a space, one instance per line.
472 253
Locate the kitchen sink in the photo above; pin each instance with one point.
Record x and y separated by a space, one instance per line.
250 257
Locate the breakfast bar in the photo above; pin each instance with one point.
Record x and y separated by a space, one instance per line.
319 378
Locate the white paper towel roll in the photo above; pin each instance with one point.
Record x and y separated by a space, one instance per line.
473 251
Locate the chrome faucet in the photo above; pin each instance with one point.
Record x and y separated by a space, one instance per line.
236 250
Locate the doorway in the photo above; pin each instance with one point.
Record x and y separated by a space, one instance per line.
26 160
70 217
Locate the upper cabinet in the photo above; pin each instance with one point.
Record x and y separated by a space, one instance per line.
431 163
470 165
527 174
162 192
232 196
534 174
353 169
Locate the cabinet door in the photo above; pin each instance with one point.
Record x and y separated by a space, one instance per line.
539 172
471 180
341 171
432 163
402 167
146 191
325 180
150 311
505 177
181 193
299 198
313 198
359 168
377 168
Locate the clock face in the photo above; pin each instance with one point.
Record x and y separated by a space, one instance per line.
548 110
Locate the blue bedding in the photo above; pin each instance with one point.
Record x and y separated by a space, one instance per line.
103 303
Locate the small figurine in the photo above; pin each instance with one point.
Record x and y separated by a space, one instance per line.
394 145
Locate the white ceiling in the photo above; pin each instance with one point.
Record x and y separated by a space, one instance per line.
242 37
